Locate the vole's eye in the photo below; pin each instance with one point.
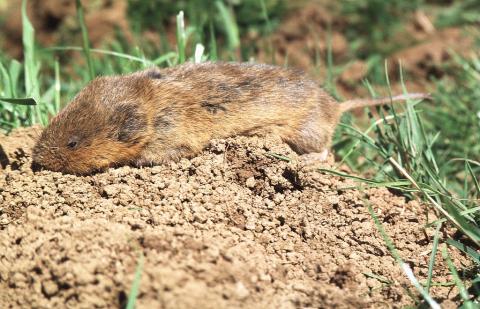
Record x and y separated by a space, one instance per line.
72 142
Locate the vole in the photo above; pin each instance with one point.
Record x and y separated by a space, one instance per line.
156 115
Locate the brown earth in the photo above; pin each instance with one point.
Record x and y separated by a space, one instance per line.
232 227
55 23
302 41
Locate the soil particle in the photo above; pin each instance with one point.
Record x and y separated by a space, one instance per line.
232 227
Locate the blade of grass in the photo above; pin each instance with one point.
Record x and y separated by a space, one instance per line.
132 296
86 42
405 267
94 50
231 27
213 43
6 81
22 101
58 86
278 156
379 278
431 263
456 278
14 70
462 213
269 48
164 58
468 250
330 83
474 178
31 67
199 49
444 284
181 37
156 61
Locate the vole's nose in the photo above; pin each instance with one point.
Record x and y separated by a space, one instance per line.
36 167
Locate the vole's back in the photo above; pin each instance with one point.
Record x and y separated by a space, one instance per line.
194 103
157 115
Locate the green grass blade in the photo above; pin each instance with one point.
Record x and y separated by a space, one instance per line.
474 178
181 37
330 83
377 277
14 70
21 101
456 278
269 47
86 42
132 296
157 61
213 43
58 86
431 263
28 38
31 67
466 249
398 184
164 58
9 91
230 24
407 270
462 213
279 156
199 49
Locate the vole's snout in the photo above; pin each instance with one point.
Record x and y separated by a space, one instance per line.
39 164
36 167
45 157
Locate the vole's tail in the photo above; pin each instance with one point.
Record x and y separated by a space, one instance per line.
357 103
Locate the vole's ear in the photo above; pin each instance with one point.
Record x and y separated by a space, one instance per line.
130 123
153 73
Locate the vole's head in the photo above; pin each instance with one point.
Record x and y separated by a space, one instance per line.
103 126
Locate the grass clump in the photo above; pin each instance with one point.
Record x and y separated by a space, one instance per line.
208 21
405 157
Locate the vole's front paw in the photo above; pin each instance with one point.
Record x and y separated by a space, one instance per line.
314 160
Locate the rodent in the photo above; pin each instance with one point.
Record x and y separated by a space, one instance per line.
156 115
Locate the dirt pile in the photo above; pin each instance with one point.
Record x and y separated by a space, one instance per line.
233 227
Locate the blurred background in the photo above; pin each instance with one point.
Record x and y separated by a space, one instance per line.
360 35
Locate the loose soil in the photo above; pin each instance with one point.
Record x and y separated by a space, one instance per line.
232 227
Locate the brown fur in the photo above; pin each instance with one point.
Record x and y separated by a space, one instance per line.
153 116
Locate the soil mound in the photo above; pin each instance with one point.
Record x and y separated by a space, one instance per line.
232 227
